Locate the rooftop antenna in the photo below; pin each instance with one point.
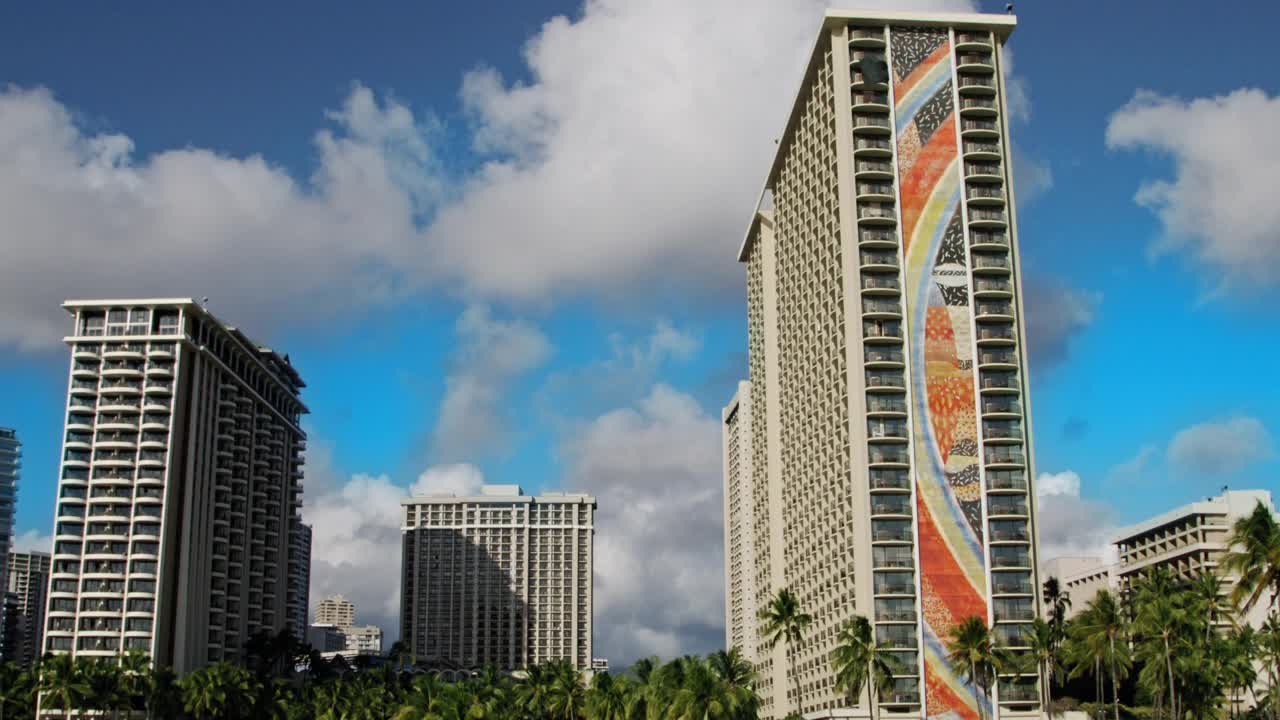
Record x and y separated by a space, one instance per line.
204 303
1008 8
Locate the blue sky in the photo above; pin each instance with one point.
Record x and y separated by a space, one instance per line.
497 243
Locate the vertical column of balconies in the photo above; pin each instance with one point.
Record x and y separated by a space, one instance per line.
73 494
226 561
884 364
998 355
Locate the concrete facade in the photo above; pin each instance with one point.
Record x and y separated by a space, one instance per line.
887 450
179 488
28 584
500 578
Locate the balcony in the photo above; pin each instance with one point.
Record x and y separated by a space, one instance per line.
979 128
866 37
1010 587
880 285
884 381
873 169
1006 506
879 261
881 330
877 239
897 505
880 357
994 310
1018 694
872 147
997 383
880 457
996 335
894 588
890 480
1004 456
880 214
984 195
868 124
970 41
1009 531
991 264
880 430
977 84
1002 430
87 353
998 360
884 309
974 62
1011 557
992 287
983 171
1006 480
869 100
896 636
882 404
982 217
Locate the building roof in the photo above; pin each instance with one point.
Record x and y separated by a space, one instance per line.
1001 25
1230 502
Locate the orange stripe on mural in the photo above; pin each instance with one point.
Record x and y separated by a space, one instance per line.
955 598
901 88
918 181
940 695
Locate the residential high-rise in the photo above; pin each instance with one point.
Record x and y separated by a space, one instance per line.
890 427
366 640
179 489
1189 540
335 610
299 592
10 465
501 578
739 556
28 583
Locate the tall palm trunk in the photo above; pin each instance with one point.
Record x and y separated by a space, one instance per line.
1115 685
871 692
1173 693
1046 690
1098 691
973 673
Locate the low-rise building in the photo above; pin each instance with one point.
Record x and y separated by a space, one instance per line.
1080 579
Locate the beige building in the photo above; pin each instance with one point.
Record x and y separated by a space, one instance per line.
180 487
1188 540
28 583
1080 579
335 610
887 456
500 578
364 640
739 553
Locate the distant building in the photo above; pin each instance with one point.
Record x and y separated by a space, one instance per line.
600 665
10 467
335 610
1188 540
1080 578
28 583
179 489
739 522
501 578
326 638
299 583
366 640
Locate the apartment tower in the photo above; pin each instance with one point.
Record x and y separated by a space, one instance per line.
889 447
28 583
500 578
179 489
10 466
335 610
739 554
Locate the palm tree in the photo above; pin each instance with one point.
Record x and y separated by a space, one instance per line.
568 697
15 688
1102 633
1254 558
1207 592
971 652
217 691
61 683
135 678
1059 603
702 696
607 697
1042 638
858 663
739 678
784 621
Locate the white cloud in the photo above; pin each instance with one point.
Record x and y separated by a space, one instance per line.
1219 207
84 217
33 541
1068 524
1220 447
473 418
1133 468
655 471
1066 482
356 543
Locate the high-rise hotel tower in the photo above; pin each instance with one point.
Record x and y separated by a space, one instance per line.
885 468
177 525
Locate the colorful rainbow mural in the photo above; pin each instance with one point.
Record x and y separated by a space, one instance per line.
948 483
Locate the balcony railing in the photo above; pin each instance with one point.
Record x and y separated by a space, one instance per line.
984 191
876 210
976 81
982 103
1010 458
888 457
999 381
978 124
995 333
892 329
984 214
881 306
889 480
990 285
880 259
890 380
861 120
884 404
865 143
871 355
991 358
1007 431
880 282
974 168
1006 506
870 98
975 59
873 165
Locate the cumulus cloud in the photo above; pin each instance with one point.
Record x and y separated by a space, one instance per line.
1219 447
1219 206
655 471
1068 524
33 541
1056 315
84 217
473 419
355 544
